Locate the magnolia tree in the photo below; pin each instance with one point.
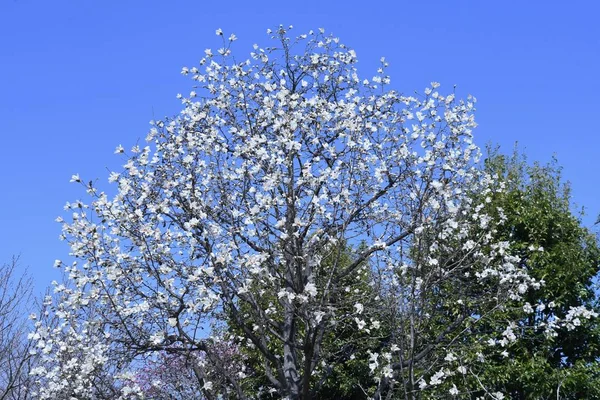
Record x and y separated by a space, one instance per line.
288 200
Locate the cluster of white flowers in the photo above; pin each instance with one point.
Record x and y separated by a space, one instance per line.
575 314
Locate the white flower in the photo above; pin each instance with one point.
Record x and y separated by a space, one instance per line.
437 378
219 32
113 177
311 289
75 178
450 357
360 323
319 316
359 308
373 363
388 372
157 338
453 390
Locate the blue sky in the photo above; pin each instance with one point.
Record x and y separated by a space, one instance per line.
77 78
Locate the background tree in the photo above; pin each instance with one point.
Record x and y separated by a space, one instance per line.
229 228
557 249
16 302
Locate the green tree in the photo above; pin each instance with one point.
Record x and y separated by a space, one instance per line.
555 247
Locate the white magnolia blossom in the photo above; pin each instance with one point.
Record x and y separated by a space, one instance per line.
454 390
234 213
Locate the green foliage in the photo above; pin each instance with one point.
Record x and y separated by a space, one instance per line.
565 255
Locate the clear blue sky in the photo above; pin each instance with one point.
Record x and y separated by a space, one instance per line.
79 77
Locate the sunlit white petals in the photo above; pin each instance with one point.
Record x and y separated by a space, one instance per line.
311 289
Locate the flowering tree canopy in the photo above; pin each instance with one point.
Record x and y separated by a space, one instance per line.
289 199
